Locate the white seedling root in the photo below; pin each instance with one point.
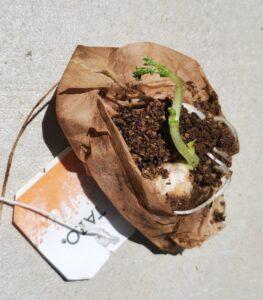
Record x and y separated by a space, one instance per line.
192 109
221 166
222 153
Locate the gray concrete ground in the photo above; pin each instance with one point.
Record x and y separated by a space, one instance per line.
226 37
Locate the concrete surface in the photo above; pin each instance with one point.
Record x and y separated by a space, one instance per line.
226 37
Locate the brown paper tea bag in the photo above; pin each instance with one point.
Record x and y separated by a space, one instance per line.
95 78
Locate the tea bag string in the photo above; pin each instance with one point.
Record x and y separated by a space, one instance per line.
21 131
78 228
81 229
38 211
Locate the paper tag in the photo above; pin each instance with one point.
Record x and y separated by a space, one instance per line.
66 191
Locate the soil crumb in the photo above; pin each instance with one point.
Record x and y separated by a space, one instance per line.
211 106
218 217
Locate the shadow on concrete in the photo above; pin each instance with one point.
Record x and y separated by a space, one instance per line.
138 238
52 133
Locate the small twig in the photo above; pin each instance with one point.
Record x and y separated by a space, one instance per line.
155 84
141 103
113 100
135 104
133 92
113 78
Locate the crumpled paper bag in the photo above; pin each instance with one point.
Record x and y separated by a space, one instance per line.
97 77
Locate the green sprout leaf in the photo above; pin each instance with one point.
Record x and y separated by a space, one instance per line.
152 67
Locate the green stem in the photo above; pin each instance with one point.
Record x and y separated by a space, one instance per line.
175 111
178 95
182 148
186 150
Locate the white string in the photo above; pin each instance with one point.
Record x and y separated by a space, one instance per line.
40 212
77 228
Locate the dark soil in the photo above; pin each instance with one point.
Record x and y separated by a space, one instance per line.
218 216
207 134
211 106
146 132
